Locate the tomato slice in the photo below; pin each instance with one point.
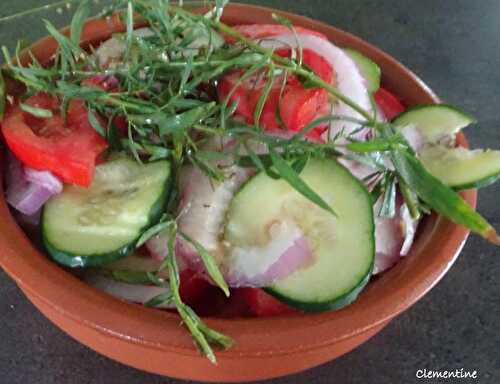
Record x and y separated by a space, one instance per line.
268 116
240 94
67 150
106 83
192 287
390 105
297 105
261 303
317 63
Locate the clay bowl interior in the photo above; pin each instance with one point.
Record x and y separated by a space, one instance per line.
152 340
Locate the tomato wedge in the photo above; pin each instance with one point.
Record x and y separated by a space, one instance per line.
300 106
240 94
261 303
295 104
67 150
268 116
192 287
317 63
390 105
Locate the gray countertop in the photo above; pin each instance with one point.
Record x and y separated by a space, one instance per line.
454 45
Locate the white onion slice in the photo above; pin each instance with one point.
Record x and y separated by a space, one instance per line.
135 293
350 82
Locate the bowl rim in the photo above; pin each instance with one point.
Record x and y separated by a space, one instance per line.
42 278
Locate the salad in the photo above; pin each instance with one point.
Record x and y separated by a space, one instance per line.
249 170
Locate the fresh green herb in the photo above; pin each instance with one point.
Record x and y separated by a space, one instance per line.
130 29
37 112
161 299
209 262
291 177
202 334
153 231
388 207
263 96
374 145
126 276
184 120
94 122
79 18
287 23
69 51
3 95
440 197
411 199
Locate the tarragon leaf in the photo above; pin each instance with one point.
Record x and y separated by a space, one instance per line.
37 112
288 174
210 264
79 18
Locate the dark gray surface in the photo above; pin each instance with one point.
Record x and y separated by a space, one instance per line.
454 45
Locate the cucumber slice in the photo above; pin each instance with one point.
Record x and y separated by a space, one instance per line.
342 246
368 68
435 121
462 168
85 227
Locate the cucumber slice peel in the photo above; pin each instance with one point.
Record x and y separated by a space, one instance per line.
435 121
462 168
368 68
89 227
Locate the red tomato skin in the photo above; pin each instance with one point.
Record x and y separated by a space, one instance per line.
121 125
268 116
299 106
68 151
239 95
262 304
390 105
192 287
317 63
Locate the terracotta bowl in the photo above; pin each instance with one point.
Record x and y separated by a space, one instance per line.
154 341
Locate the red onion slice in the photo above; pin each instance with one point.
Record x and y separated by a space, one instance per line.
158 249
204 203
261 266
44 179
28 189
